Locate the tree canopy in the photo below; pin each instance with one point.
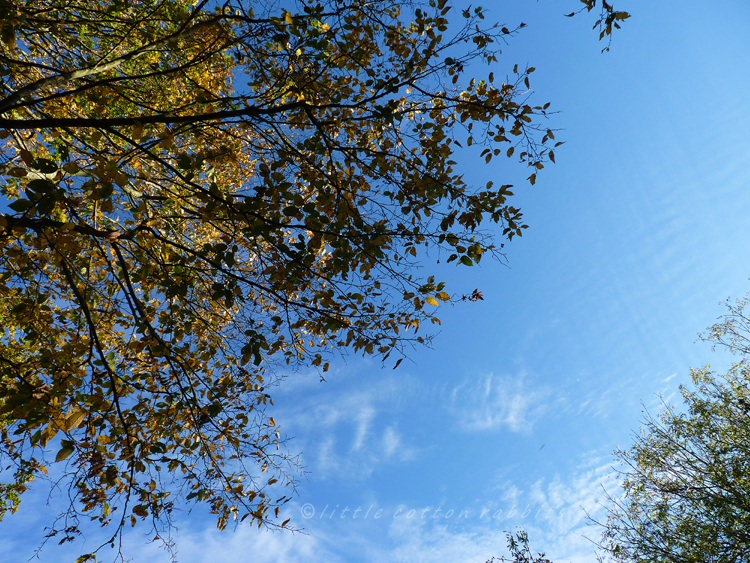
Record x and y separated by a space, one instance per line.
519 550
198 196
686 488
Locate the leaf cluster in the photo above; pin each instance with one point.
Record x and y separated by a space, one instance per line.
519 550
609 18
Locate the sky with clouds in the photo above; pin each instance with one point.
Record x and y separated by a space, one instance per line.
510 419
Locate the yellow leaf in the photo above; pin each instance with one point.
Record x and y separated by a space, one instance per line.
431 300
48 433
137 131
73 418
271 421
288 18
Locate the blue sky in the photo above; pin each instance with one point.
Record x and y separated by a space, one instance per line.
636 235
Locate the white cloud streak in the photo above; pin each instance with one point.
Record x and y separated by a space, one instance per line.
493 402
348 434
552 511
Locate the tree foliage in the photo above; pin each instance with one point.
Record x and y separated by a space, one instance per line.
687 477
519 550
198 195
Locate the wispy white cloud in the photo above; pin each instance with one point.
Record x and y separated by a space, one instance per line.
493 402
604 398
247 543
327 459
348 433
553 512
574 502
363 421
391 441
671 377
393 446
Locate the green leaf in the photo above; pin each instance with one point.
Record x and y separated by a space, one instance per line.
8 35
20 205
65 451
466 261
46 166
41 186
45 205
184 161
